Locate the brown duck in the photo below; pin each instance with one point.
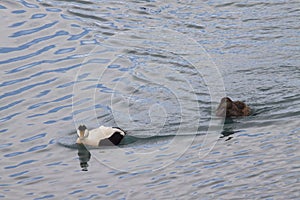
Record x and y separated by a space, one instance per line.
229 108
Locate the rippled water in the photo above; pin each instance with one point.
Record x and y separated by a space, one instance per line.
156 69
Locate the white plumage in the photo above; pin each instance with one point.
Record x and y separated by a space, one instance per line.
94 137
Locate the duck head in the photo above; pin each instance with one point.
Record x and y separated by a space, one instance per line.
82 132
229 108
224 106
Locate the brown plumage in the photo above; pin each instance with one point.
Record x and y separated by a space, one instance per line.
229 108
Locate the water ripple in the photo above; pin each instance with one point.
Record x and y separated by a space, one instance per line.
20 164
34 30
11 104
49 196
9 117
13 26
32 149
45 45
27 4
2 7
80 35
35 137
19 174
43 50
18 11
25 88
37 16
31 43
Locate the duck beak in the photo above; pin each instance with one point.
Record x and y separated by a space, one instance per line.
81 134
221 112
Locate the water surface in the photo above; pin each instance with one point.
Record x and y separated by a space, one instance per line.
157 70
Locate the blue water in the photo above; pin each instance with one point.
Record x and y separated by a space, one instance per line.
156 69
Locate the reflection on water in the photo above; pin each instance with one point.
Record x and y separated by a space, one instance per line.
53 53
228 133
84 157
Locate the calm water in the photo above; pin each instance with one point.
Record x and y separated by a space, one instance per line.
157 69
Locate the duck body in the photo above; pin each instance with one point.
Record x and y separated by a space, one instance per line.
229 108
102 136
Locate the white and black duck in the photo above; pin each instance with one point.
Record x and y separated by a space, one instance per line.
101 136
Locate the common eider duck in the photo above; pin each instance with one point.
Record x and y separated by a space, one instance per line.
101 136
229 108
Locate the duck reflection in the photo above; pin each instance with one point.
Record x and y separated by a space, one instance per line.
228 129
227 133
84 157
